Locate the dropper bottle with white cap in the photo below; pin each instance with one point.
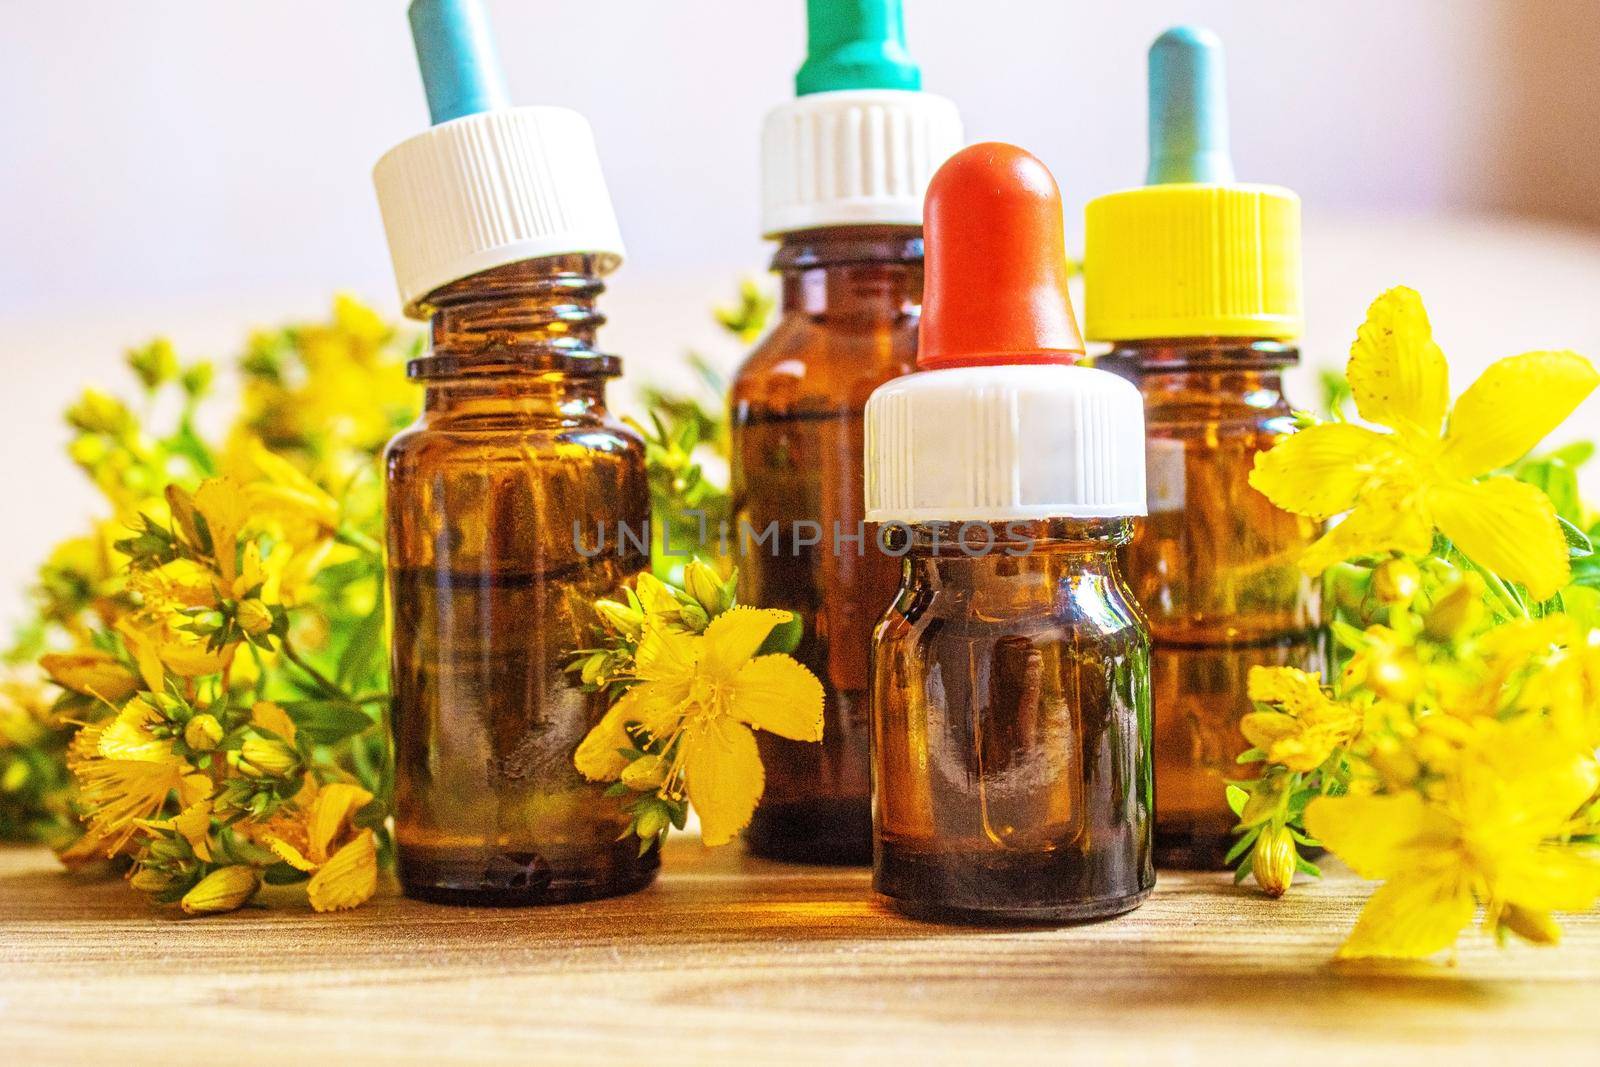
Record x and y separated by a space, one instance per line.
1012 777
844 166
510 499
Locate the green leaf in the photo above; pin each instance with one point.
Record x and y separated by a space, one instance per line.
327 722
284 874
362 655
1237 798
1578 544
784 638
1243 845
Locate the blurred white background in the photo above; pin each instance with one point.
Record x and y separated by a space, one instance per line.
194 168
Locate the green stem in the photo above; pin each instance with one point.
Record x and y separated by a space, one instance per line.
359 540
316 676
1501 590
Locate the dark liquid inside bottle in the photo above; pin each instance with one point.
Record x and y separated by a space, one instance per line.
1011 733
851 303
1216 569
494 497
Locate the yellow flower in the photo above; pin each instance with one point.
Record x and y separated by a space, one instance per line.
1399 487
125 773
1493 837
91 672
342 860
700 695
276 491
1308 726
193 824
224 889
158 645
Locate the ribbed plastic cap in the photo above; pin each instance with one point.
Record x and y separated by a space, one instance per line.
1193 261
489 189
994 444
997 425
856 157
1193 253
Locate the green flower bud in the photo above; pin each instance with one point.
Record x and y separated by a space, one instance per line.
704 584
626 620
15 777
255 618
1457 611
651 822
97 412
1396 582
155 364
151 881
262 757
203 733
1274 860
225 889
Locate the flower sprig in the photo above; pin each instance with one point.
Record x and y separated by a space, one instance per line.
214 646
690 674
1452 752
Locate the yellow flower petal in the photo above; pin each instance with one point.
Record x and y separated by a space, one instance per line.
733 637
1549 879
655 706
1416 914
267 715
349 878
667 655
1376 836
221 501
724 776
193 823
1505 526
1320 471
1383 522
1288 687
288 853
777 694
331 813
1510 409
1397 374
91 672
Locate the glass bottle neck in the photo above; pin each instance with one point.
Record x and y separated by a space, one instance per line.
1169 355
535 319
930 546
867 274
517 343
1204 372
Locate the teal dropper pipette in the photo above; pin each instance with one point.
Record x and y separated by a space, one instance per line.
1188 109
455 49
856 44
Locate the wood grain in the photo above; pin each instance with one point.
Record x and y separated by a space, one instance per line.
734 960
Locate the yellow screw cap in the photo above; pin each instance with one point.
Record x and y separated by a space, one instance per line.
1193 261
1193 253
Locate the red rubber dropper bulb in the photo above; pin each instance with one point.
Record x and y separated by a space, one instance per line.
995 290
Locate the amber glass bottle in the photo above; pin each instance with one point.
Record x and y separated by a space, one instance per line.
851 300
1012 726
495 500
1215 567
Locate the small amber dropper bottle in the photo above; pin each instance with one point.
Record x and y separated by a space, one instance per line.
1010 699
1195 280
844 167
505 498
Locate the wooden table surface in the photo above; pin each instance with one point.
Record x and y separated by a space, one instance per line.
733 960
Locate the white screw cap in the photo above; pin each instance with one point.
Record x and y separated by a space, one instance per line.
493 188
997 443
854 157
